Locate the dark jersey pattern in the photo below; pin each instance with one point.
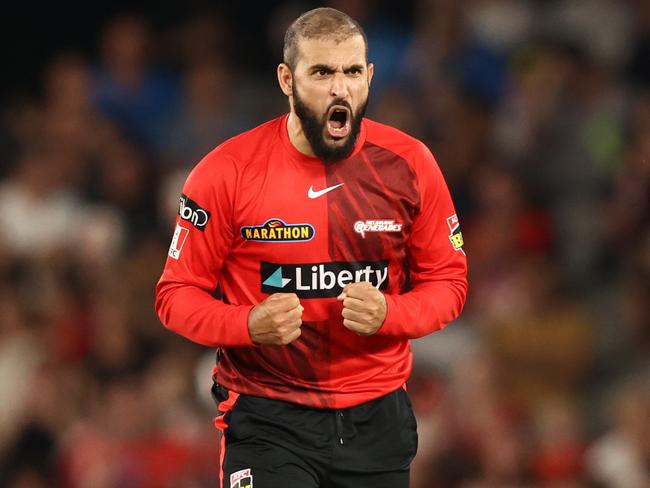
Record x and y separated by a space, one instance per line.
264 218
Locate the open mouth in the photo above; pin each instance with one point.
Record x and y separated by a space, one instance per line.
338 121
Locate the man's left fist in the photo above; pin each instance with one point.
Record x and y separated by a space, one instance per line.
364 308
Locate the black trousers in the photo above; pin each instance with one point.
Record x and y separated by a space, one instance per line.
275 444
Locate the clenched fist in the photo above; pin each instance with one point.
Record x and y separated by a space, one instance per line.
276 320
364 308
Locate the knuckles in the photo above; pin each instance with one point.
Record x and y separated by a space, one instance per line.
276 321
361 329
290 337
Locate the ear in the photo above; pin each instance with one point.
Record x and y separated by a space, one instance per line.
285 79
371 72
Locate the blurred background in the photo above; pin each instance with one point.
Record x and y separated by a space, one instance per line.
538 113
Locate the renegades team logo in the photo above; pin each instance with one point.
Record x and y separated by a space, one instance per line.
456 237
277 230
241 479
363 226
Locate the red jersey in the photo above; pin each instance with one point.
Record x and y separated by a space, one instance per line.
258 217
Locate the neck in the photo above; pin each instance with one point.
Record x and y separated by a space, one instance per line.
297 135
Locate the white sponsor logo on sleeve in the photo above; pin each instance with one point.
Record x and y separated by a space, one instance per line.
178 240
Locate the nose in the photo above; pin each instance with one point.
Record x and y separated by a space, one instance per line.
339 88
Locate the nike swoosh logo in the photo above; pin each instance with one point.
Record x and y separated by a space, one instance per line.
315 194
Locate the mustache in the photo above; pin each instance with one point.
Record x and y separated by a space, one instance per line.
341 102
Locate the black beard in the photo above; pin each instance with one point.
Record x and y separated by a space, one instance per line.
314 128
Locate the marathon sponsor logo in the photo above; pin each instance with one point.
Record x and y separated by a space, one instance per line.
321 280
277 230
191 211
456 237
363 226
241 479
178 240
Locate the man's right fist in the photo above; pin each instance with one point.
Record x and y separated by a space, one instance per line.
276 320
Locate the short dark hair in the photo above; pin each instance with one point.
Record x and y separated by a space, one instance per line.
320 23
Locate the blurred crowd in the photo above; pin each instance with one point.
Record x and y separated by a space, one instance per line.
538 113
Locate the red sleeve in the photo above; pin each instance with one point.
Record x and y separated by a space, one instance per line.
201 241
437 262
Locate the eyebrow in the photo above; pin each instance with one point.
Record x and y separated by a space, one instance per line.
331 69
358 67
